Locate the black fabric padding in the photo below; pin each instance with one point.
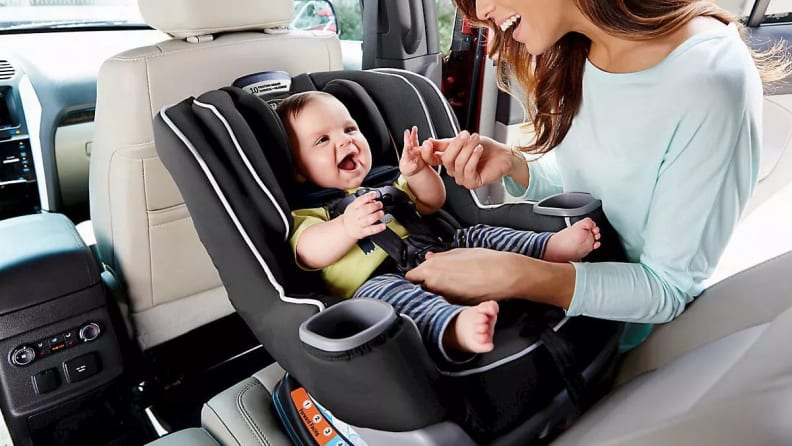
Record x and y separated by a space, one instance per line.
392 368
229 158
277 160
399 106
273 321
444 119
302 82
363 110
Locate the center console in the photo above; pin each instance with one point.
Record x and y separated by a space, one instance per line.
57 338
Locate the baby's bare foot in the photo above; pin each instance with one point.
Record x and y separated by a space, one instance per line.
473 329
573 243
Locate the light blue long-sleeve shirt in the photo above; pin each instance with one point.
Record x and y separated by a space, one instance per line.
673 153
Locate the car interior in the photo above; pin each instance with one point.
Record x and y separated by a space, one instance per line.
118 329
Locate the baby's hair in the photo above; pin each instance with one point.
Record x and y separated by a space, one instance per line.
292 106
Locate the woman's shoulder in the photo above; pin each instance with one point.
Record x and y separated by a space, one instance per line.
714 59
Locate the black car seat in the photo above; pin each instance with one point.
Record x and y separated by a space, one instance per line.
229 156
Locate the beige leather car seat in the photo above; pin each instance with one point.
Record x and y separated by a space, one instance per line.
143 230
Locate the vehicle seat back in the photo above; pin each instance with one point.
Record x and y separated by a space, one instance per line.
144 232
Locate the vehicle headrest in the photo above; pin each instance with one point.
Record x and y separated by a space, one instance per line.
186 18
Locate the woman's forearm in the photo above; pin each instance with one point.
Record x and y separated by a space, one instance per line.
473 275
539 281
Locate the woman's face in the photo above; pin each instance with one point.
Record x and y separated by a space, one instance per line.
538 24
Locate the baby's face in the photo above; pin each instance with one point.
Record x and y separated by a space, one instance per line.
329 148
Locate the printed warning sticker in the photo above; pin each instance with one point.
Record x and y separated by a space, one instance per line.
320 429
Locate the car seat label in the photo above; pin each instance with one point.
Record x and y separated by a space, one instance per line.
317 424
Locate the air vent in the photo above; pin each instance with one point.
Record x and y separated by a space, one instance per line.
6 70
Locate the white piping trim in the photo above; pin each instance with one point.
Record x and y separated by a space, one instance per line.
248 165
450 116
568 222
446 105
420 99
507 359
233 216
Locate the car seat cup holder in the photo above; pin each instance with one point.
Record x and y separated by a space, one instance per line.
363 353
575 206
347 325
568 204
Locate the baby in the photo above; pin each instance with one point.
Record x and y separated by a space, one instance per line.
330 151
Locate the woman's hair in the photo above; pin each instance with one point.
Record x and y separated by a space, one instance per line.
552 82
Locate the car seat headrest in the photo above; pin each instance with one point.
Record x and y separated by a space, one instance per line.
187 18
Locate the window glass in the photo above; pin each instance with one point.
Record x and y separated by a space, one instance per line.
779 7
52 15
349 19
446 12
314 14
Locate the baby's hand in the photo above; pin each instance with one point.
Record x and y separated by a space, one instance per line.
411 161
362 217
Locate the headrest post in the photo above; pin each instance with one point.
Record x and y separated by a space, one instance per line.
277 30
200 39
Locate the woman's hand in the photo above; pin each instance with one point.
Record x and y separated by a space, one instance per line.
465 275
471 275
472 160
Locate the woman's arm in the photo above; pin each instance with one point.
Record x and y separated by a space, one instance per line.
472 275
703 183
706 178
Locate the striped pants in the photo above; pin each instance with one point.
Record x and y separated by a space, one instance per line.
431 312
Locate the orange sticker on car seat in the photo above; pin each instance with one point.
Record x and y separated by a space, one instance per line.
322 432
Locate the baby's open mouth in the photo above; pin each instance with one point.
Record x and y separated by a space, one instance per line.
348 163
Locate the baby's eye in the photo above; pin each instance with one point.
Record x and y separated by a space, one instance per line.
321 140
351 129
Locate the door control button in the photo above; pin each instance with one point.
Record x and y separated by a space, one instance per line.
82 367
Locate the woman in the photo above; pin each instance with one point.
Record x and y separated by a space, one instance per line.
652 106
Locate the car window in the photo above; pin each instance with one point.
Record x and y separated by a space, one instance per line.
318 15
779 10
59 15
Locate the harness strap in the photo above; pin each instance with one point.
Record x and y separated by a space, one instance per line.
408 252
564 359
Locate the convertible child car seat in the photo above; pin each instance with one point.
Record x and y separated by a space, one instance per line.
228 153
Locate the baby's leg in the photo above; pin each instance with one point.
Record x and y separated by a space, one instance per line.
573 243
433 315
500 238
473 329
